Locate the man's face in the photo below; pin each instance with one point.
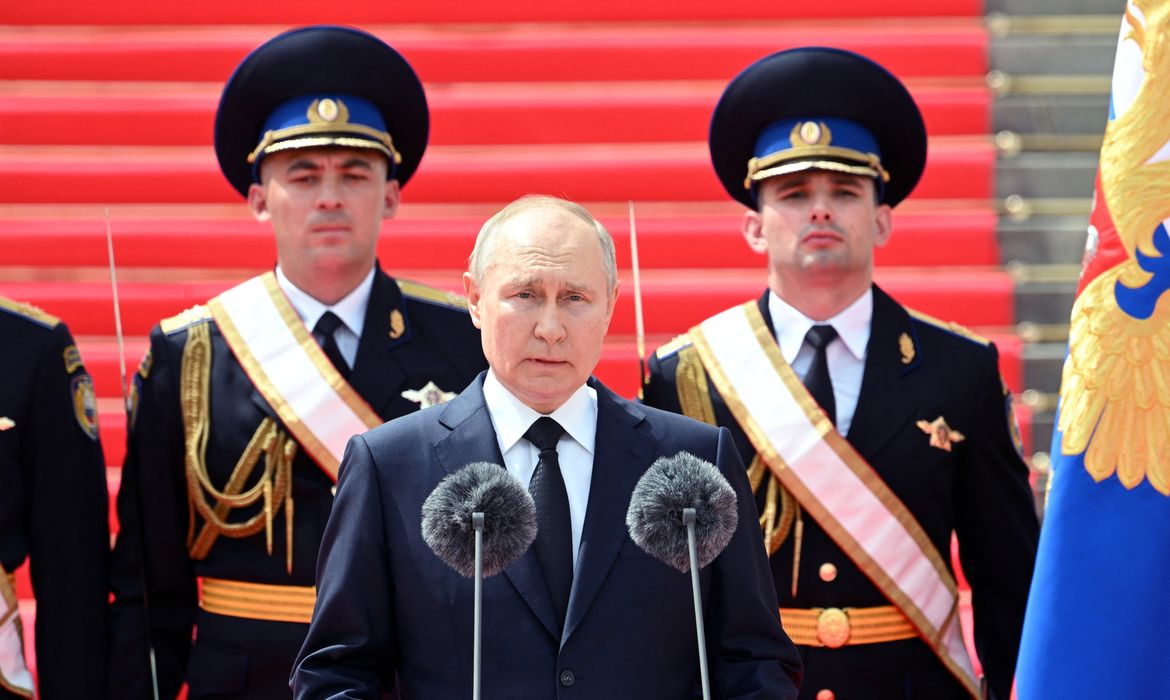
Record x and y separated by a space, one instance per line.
326 207
818 224
543 307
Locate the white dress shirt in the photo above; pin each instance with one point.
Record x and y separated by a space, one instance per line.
351 309
846 353
578 416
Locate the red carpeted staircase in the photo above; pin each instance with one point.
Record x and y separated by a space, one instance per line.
109 106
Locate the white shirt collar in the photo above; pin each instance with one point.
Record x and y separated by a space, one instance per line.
351 309
852 325
512 417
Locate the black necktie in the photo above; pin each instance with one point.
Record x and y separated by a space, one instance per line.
554 533
817 380
323 333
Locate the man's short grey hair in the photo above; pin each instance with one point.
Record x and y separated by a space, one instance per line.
481 254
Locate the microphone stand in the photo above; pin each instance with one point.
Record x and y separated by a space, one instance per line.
688 515
477 525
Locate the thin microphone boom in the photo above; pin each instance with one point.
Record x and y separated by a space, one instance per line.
478 521
683 512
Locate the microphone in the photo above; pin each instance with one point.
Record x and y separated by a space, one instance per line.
683 513
509 518
669 486
478 521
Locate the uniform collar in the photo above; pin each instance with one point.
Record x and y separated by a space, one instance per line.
852 325
351 309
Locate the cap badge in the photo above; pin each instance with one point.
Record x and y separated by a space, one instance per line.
810 134
941 435
327 110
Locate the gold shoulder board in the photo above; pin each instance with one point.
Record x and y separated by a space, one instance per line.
949 326
415 290
32 313
677 343
188 317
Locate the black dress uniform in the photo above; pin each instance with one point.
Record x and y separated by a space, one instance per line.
220 532
53 502
924 381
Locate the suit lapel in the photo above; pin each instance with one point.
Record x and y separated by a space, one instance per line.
621 456
884 406
473 439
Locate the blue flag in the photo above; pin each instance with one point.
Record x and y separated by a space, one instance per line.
1098 619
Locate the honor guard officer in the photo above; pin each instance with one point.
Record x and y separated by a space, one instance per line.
53 509
873 432
243 406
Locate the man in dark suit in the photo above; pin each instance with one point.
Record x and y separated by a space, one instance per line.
243 406
584 612
873 432
53 509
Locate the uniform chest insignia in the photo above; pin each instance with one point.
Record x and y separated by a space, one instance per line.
6 423
85 405
429 395
397 325
906 346
941 435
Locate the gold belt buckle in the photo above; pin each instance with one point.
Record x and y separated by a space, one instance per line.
833 627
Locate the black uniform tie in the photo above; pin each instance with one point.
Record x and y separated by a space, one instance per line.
323 333
554 534
817 379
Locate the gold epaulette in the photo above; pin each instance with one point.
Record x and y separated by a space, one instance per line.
415 290
187 317
676 343
949 326
32 313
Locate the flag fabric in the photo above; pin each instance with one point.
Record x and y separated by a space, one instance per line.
1098 619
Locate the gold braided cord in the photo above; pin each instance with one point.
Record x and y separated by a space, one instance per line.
690 380
273 487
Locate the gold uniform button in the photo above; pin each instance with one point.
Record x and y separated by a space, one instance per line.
826 695
828 572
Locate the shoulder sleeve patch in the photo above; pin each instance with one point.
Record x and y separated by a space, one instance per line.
949 326
677 343
72 358
28 311
195 314
422 292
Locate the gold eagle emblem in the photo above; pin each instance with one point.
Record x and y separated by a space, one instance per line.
1115 387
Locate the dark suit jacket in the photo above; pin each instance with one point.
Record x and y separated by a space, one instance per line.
235 657
53 498
386 604
978 491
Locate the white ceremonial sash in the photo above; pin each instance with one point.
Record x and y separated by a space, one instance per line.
290 370
14 675
831 480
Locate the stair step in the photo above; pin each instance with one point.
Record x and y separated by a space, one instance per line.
166 114
1055 55
364 12
1053 114
1047 175
665 240
960 167
1044 239
502 53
